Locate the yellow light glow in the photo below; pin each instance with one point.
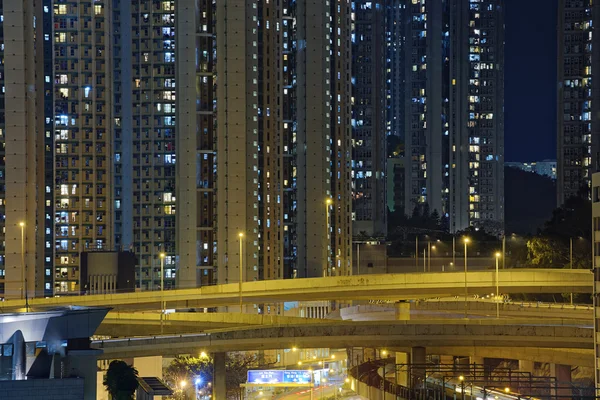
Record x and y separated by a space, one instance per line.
507 390
328 201
241 234
294 349
182 384
461 378
299 362
203 354
21 224
466 240
498 255
162 255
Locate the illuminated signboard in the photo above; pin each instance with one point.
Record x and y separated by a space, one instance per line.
279 377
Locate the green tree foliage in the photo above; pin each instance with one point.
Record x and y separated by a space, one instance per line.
570 223
121 380
188 369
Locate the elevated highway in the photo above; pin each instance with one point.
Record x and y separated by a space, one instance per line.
129 324
397 334
361 287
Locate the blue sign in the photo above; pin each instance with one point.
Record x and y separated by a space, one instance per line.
301 376
279 376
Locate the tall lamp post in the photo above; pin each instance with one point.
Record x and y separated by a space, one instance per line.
328 203
162 297
24 290
241 237
571 261
497 288
417 252
466 240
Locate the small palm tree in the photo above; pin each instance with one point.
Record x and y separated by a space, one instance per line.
121 380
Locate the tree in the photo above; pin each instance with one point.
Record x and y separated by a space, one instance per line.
121 380
190 369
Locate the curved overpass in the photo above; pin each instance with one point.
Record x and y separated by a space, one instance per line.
498 333
361 287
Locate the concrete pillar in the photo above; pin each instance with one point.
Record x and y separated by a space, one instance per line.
402 370
563 380
462 365
418 359
477 364
527 366
84 364
149 366
403 311
219 388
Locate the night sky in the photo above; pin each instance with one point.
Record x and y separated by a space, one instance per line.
530 80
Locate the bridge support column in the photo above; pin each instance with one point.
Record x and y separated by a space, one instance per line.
402 311
527 366
219 388
418 358
402 370
478 366
562 373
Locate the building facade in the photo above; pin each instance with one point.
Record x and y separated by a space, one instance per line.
596 270
370 126
25 138
139 149
272 140
454 120
83 134
578 122
144 136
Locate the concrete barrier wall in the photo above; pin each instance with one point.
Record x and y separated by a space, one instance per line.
372 393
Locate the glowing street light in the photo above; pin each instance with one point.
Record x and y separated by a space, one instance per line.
466 241
328 203
241 237
497 287
162 298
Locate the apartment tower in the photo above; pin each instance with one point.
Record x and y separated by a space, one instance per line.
454 119
270 173
578 123
25 127
83 135
370 64
144 137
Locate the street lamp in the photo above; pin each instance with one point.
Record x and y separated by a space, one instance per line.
312 382
466 240
241 237
497 287
462 386
571 261
328 203
162 297
24 291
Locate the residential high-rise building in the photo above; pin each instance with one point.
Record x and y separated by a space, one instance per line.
83 134
454 118
144 136
272 140
25 134
370 65
578 147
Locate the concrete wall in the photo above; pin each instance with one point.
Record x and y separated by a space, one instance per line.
371 393
42 389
